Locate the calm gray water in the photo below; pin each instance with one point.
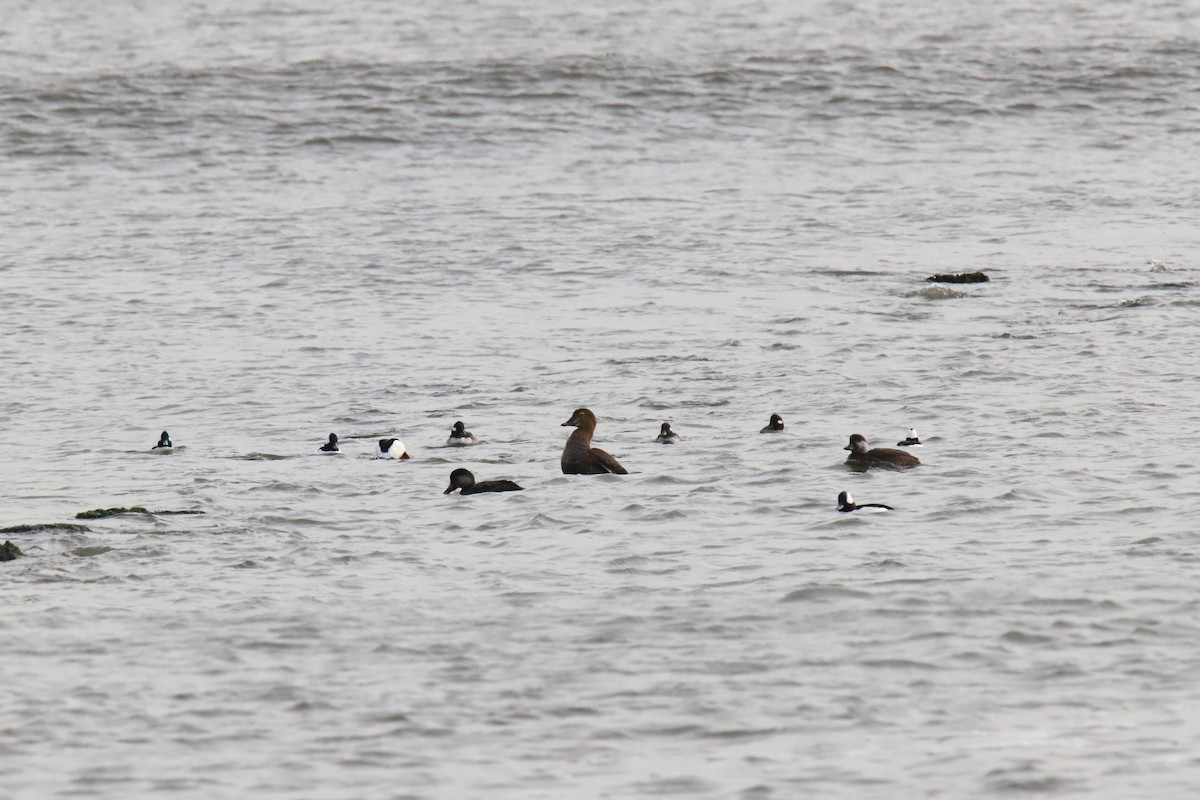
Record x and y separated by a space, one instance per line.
251 224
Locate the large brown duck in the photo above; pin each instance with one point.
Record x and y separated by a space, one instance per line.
863 456
579 457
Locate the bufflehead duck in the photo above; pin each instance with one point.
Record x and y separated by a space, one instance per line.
331 446
391 448
776 424
846 503
464 480
863 456
460 437
911 441
164 443
578 456
667 436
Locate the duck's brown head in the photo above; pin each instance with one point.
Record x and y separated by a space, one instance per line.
858 444
583 419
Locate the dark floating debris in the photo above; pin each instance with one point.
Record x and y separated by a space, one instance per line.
959 277
47 526
9 551
101 513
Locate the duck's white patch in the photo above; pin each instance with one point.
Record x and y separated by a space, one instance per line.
397 450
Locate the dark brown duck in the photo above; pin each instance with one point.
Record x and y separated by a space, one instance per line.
863 456
578 456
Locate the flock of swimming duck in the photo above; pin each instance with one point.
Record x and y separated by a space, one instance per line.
580 458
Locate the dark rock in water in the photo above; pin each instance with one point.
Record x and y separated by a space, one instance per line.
176 513
9 551
960 277
101 513
47 526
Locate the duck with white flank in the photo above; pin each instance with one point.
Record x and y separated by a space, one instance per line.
464 480
846 504
863 456
460 436
774 426
164 443
391 448
667 436
911 441
578 456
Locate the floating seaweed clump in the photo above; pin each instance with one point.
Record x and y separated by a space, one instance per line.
47 526
959 277
101 513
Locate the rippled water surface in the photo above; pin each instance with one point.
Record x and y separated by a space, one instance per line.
254 224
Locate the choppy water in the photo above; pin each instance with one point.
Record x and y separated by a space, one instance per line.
252 226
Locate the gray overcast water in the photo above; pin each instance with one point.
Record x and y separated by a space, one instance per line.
252 224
